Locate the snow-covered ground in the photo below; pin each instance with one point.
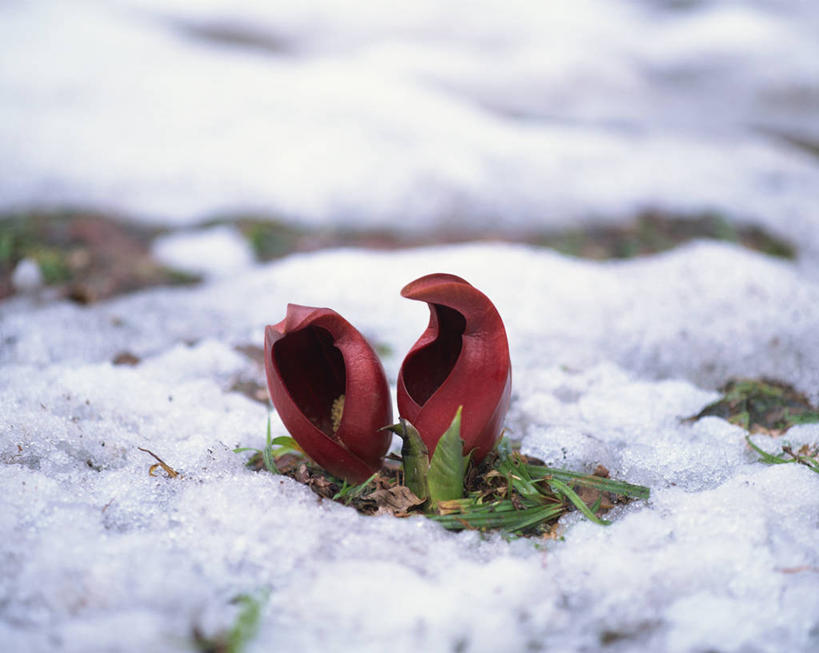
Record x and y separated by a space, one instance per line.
462 113
422 115
97 555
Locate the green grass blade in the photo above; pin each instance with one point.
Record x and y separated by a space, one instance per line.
587 480
247 622
518 476
561 488
350 492
766 457
500 514
267 452
771 459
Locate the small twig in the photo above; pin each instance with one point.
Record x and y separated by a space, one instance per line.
170 471
807 461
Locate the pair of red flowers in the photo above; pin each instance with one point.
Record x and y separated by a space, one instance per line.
331 393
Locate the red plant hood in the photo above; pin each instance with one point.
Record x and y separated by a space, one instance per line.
461 359
312 358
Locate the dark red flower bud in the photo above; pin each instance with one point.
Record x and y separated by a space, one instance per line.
329 388
462 359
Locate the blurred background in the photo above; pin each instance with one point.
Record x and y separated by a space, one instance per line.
149 142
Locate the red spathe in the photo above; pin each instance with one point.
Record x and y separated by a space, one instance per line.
312 357
461 359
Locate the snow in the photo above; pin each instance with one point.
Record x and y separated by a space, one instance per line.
215 251
721 557
429 117
27 276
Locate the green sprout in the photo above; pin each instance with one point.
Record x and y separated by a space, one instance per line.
348 492
284 443
244 628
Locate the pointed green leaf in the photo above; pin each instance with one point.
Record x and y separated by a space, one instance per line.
349 492
448 465
414 458
539 473
285 441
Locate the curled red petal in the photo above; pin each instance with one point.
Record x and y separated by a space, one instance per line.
461 359
312 357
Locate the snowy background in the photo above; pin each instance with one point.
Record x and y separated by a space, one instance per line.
418 117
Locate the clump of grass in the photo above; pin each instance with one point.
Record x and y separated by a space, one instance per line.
283 444
270 239
508 491
349 493
761 406
654 232
520 494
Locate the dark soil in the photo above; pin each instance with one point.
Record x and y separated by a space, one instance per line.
86 257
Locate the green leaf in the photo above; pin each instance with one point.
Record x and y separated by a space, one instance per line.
519 477
414 459
243 449
285 441
349 492
247 621
448 465
622 488
463 514
766 457
267 452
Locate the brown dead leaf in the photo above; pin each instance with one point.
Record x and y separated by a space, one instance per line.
601 471
590 496
321 486
301 474
396 501
126 358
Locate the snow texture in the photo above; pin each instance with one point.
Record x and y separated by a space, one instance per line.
423 115
101 556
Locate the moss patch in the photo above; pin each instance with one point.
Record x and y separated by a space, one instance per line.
761 406
649 233
655 232
90 256
86 256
